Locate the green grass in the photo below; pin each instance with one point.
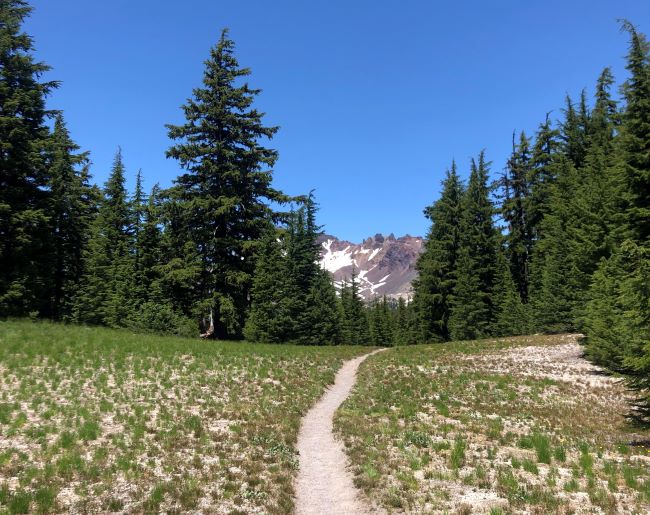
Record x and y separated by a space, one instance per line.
97 420
477 414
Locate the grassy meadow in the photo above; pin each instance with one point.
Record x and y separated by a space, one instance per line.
98 420
518 425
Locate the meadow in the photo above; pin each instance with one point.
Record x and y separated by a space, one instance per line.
100 420
515 425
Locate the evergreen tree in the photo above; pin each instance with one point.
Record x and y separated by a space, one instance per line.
380 321
402 329
542 176
25 285
554 275
105 295
225 191
437 264
473 312
514 210
317 316
271 318
354 322
617 321
511 315
71 210
573 134
635 136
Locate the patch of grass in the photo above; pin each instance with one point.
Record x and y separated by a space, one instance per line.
571 485
530 466
98 408
457 456
476 400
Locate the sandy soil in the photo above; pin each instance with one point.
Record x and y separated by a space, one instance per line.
324 484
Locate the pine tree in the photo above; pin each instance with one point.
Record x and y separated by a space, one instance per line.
105 295
473 312
354 322
573 133
555 277
402 329
71 211
437 264
225 191
317 316
635 136
514 210
542 176
25 285
617 321
511 315
271 317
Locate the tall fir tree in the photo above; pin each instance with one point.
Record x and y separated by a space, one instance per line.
25 285
271 317
354 321
71 211
635 136
106 291
511 314
473 311
543 174
515 193
317 319
436 266
224 195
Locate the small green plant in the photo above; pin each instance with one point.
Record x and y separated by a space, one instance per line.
530 466
457 457
571 486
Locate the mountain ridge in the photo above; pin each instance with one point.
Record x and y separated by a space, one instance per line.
385 265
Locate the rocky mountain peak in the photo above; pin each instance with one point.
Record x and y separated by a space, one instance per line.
384 265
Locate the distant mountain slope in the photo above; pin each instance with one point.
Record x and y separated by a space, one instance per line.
384 266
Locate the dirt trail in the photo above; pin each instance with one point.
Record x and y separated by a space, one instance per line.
324 485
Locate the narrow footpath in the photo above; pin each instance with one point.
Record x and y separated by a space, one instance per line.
325 485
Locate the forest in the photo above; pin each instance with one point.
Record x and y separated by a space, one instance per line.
558 241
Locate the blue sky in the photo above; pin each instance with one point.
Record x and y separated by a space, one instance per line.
374 98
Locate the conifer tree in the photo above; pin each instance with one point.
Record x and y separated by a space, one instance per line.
554 275
354 322
542 176
514 210
271 318
224 194
25 285
511 315
317 316
105 295
473 312
402 330
71 210
437 264
573 134
635 136
617 321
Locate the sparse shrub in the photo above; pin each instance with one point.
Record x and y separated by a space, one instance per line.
417 438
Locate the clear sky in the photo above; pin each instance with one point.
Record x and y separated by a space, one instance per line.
374 98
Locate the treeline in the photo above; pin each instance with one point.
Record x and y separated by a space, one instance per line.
560 241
